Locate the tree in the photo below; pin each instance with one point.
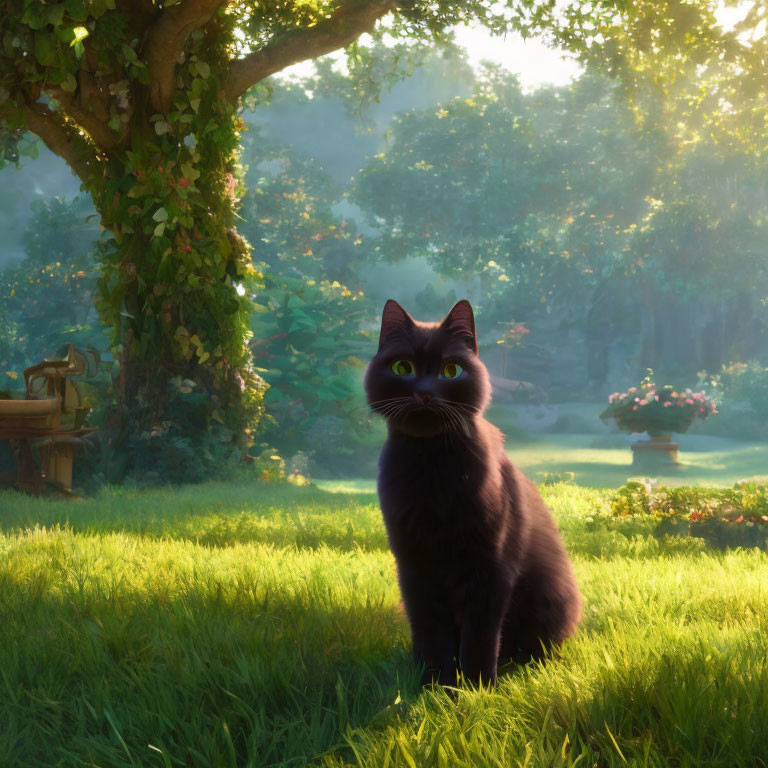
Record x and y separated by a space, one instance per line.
566 212
681 62
309 310
49 294
141 99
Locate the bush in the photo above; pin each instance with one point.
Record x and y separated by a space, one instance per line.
724 517
309 345
747 383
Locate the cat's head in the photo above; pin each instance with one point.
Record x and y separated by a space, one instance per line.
426 378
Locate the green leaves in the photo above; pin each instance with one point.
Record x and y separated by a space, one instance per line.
200 69
69 83
160 216
78 35
46 48
190 172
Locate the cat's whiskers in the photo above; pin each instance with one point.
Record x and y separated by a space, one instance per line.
459 419
383 407
464 406
394 411
370 406
388 411
449 426
452 414
449 417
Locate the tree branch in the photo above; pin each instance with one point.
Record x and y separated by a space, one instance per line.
103 136
344 27
164 43
59 138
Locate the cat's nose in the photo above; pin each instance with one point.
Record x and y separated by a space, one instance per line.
425 397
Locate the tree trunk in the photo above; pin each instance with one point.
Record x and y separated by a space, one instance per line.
171 290
141 99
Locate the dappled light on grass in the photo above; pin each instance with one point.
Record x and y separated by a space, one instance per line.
606 461
258 625
216 514
692 696
112 640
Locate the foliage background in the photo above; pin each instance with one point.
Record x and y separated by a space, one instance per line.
610 237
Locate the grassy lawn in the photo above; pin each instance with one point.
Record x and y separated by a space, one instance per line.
605 461
255 625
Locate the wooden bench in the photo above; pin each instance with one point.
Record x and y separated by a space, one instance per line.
49 419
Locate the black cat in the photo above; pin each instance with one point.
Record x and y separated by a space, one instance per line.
482 568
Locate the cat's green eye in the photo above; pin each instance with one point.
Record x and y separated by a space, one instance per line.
451 371
403 368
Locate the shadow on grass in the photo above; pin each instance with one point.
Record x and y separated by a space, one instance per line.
694 696
697 699
214 515
206 675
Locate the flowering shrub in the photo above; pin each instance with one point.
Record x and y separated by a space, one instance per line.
514 335
657 410
735 516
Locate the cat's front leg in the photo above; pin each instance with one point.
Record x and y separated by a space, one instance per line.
432 628
487 597
434 649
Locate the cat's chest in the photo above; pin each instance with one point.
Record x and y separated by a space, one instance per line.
436 504
439 485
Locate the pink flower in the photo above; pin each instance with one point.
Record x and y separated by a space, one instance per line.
666 405
632 389
643 402
701 410
634 407
230 185
689 401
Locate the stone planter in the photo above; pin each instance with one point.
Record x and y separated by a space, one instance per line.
657 454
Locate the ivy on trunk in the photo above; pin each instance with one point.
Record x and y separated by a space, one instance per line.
141 100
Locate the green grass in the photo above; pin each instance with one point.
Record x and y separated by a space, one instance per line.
605 461
253 625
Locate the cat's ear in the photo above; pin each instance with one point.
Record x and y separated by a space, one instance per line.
460 321
392 318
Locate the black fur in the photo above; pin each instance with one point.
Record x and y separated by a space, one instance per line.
483 572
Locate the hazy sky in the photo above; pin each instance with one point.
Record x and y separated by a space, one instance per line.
530 59
534 62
